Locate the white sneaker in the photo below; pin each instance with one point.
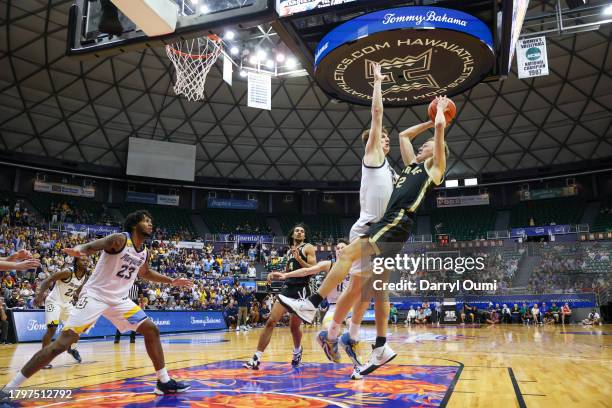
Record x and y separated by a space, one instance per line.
379 357
303 308
356 374
237 328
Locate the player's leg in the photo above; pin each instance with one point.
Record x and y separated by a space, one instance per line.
276 314
305 308
65 312
381 351
48 336
84 315
295 324
129 316
350 297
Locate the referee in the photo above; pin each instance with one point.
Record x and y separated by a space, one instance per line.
134 297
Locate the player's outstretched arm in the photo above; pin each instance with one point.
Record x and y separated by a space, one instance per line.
407 136
438 167
153 276
112 244
19 266
20 255
374 154
313 270
46 284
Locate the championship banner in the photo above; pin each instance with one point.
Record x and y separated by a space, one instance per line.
531 57
545 193
30 324
232 204
463 201
65 189
424 52
190 245
538 231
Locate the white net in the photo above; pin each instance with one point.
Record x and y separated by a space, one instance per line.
192 60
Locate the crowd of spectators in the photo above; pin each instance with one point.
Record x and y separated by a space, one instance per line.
571 268
15 213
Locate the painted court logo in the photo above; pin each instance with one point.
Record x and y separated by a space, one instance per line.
417 64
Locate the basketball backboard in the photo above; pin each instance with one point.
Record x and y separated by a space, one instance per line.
195 18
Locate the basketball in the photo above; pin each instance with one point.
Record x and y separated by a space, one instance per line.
432 109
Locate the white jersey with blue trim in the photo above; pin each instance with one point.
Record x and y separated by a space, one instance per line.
64 289
115 274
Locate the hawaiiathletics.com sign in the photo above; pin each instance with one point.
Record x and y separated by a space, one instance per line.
423 52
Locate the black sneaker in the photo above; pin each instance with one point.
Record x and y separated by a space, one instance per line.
75 354
252 364
297 357
171 387
5 398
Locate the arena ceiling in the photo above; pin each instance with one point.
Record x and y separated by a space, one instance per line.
85 111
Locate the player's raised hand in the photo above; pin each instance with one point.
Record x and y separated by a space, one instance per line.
22 254
182 282
27 264
76 252
378 76
443 103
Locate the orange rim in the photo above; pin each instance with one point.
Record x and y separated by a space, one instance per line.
213 37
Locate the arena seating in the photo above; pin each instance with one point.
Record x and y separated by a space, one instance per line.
224 221
464 223
603 222
322 227
173 220
79 210
546 212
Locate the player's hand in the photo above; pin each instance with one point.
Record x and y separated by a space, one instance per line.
76 252
21 255
378 76
443 103
182 282
27 264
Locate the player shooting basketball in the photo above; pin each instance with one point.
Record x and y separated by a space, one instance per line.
387 237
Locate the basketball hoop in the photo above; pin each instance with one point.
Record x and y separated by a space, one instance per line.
192 60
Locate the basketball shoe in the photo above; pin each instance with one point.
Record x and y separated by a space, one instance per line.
379 357
171 387
297 357
253 363
303 308
330 347
350 347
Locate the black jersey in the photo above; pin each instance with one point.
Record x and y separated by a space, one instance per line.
294 265
410 188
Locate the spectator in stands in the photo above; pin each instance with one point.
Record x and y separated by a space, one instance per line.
592 319
566 314
254 314
393 313
535 313
252 271
230 314
242 300
411 317
427 311
468 312
554 311
526 314
420 317
4 324
506 314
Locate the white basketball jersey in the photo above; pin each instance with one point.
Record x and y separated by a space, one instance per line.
63 290
374 195
115 273
333 296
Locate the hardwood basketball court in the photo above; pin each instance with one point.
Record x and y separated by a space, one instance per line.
480 366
